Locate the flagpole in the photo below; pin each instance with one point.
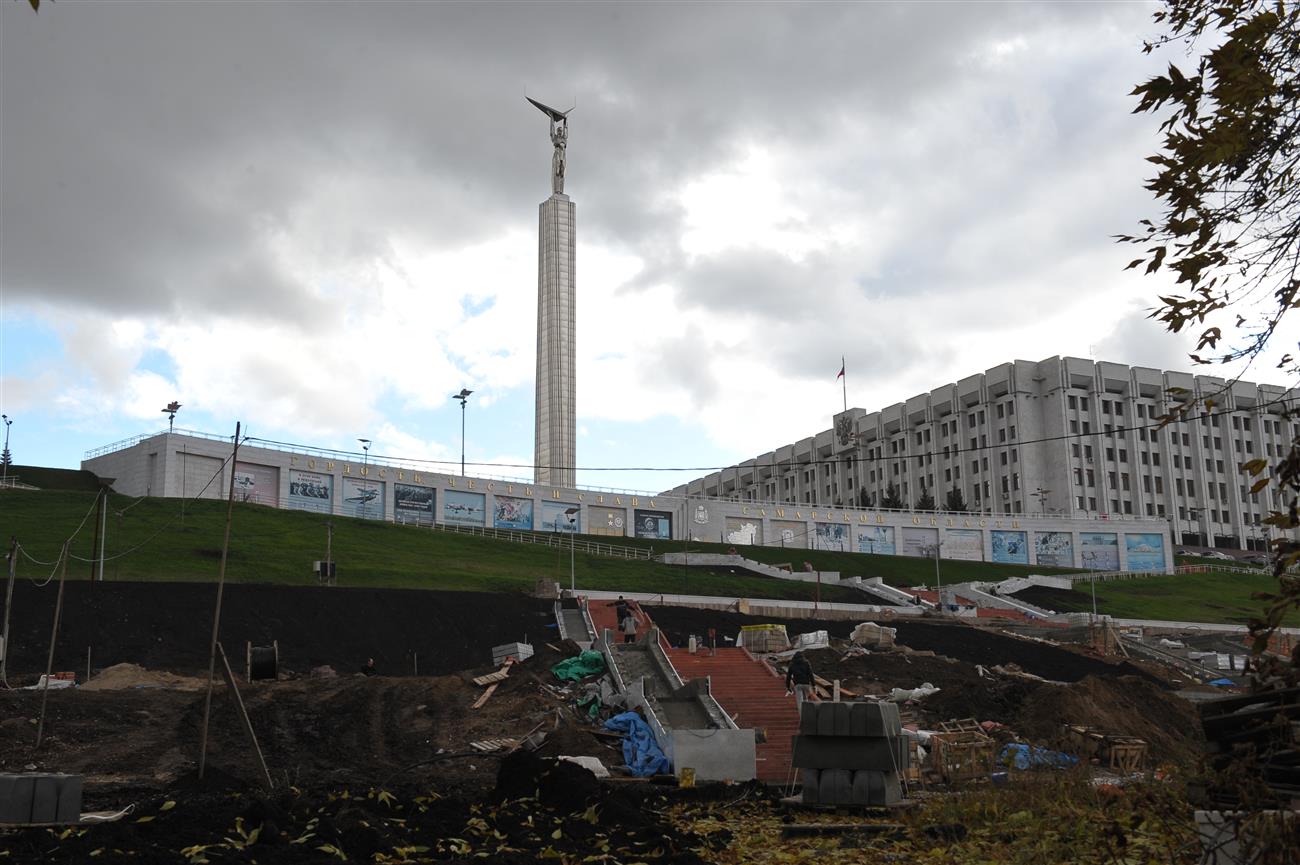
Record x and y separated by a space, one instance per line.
844 382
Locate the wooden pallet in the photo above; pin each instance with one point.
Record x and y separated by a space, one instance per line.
489 745
500 674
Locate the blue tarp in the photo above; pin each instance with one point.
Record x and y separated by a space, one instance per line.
640 752
1024 756
1223 683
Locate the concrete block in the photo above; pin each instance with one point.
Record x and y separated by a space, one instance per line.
715 755
811 779
69 808
836 787
16 792
808 719
45 799
825 719
839 717
849 752
875 719
862 787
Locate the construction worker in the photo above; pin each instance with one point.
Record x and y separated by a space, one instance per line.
799 679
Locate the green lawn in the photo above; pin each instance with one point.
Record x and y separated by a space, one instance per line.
1208 597
149 539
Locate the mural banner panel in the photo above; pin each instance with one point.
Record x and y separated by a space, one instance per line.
964 544
512 513
655 525
1146 552
413 505
363 498
1099 551
920 542
309 491
463 509
257 483
877 540
744 531
1010 548
554 518
1054 549
788 533
831 536
607 521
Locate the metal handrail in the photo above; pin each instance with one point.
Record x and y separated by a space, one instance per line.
550 539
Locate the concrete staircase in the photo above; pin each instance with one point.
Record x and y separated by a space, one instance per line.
604 618
750 692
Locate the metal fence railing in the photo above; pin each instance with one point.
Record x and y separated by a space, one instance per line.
549 539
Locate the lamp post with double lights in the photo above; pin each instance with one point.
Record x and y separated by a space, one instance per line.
170 411
463 396
7 459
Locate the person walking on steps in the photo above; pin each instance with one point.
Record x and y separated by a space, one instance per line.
628 627
799 679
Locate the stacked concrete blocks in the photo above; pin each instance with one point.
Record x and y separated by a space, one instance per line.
851 753
40 798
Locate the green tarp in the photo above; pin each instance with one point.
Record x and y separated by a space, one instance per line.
575 669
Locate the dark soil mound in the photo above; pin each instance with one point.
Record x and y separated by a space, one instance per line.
167 626
557 784
1058 600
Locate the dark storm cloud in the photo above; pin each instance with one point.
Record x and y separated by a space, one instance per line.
154 156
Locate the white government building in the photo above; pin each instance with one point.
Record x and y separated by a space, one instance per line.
1063 437
1062 463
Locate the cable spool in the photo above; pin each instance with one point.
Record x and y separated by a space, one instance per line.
262 662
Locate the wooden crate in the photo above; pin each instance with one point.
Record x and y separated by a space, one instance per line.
961 756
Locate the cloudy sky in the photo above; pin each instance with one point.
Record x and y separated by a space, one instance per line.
320 218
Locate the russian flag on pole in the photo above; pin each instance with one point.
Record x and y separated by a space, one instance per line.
841 375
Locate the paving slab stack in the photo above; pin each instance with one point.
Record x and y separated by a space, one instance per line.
851 753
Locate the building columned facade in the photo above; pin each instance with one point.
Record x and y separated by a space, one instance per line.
1061 437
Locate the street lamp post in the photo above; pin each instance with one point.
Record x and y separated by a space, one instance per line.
365 455
572 514
170 411
463 396
1042 493
938 581
8 423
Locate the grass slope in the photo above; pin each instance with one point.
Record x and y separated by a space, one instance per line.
148 539
1207 597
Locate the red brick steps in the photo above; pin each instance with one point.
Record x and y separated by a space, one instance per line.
749 691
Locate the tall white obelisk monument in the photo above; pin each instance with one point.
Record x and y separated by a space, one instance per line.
555 454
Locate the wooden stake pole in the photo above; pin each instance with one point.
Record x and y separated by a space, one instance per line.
9 603
216 613
54 636
243 715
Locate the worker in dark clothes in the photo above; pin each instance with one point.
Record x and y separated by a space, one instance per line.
368 668
799 679
620 611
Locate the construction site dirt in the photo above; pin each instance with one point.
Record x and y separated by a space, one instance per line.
133 731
